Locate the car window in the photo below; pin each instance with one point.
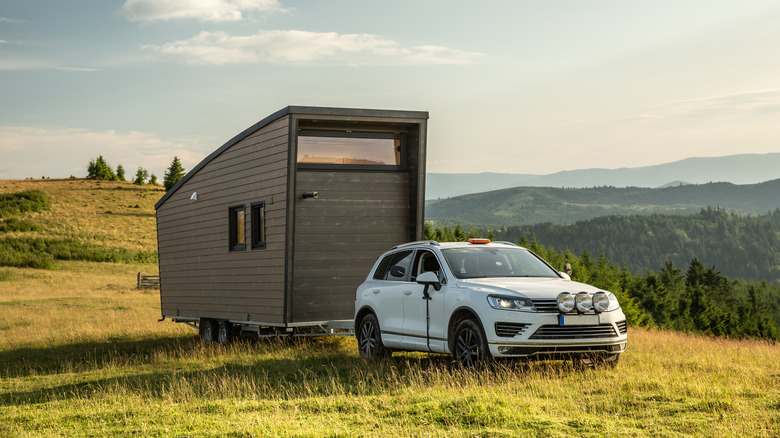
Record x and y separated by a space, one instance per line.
427 262
394 267
479 262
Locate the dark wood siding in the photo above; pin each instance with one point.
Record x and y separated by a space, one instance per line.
338 236
200 276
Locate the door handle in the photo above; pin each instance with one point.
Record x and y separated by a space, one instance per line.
375 291
407 292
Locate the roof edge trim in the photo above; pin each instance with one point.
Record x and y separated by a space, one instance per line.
292 109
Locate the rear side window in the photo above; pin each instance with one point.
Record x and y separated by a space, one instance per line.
236 228
394 267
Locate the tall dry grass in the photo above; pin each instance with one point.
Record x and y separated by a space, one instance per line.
82 354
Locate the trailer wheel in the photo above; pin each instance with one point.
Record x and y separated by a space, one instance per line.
370 339
470 348
207 329
224 333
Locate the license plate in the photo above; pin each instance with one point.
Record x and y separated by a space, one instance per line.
578 320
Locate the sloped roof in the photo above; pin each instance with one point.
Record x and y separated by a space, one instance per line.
307 110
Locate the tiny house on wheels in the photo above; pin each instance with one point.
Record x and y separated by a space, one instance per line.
273 232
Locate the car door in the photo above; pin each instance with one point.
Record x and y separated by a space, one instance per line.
418 335
391 280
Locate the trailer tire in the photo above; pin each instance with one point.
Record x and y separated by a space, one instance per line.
207 329
369 339
224 333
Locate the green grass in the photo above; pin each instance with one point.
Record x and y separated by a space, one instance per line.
174 386
82 354
84 220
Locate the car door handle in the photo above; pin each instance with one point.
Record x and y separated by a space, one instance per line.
376 291
407 292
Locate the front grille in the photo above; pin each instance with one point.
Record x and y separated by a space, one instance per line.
574 332
622 327
510 329
546 306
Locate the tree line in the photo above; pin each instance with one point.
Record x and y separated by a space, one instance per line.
742 246
699 299
99 169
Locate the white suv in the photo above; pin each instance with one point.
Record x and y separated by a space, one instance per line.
482 299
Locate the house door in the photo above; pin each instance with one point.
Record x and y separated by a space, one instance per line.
361 210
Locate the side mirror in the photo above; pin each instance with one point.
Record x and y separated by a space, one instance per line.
397 271
429 278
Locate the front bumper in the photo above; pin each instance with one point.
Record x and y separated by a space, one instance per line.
548 335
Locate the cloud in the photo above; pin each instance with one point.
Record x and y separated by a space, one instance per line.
11 20
749 103
60 152
754 102
27 64
295 46
3 42
203 10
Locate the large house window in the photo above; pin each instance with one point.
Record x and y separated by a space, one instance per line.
237 228
258 225
351 150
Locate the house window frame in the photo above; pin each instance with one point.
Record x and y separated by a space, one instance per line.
361 134
233 227
257 219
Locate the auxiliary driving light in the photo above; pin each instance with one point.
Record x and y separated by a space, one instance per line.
565 302
601 301
583 302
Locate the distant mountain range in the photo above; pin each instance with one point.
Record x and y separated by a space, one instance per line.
736 169
533 205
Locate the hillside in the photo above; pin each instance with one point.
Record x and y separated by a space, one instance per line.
83 220
82 354
736 169
531 205
746 247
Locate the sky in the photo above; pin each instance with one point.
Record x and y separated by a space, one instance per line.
531 87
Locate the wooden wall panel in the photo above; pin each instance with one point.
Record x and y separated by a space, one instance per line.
200 276
357 217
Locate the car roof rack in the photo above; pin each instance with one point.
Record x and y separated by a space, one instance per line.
419 242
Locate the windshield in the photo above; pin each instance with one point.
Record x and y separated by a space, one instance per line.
480 262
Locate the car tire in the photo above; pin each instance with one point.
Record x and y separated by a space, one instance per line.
470 347
207 329
369 339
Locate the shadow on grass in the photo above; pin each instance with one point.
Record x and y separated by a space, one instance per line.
266 368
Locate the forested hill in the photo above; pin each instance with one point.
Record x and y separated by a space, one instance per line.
738 246
532 205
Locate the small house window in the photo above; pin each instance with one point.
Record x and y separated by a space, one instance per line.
258 225
237 228
351 150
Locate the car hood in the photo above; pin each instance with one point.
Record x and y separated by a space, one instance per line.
531 287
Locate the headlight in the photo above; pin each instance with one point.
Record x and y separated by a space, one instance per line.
565 302
601 301
613 302
503 302
583 302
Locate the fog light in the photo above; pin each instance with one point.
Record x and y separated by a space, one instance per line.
565 302
583 302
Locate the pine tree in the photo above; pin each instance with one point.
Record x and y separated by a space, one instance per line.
140 176
173 174
153 180
120 172
99 169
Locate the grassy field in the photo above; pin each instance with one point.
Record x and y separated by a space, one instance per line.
82 354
